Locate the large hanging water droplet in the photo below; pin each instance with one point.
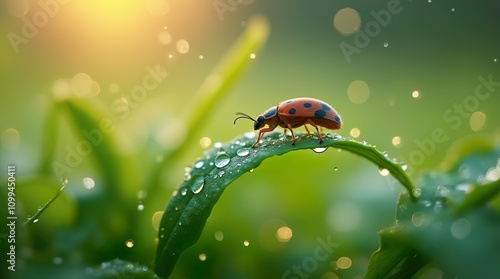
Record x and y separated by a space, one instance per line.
222 160
384 171
198 184
243 152
320 149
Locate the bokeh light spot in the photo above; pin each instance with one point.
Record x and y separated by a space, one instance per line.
11 139
415 94
88 183
355 132
344 263
84 86
156 219
219 236
460 229
182 46
358 92
284 234
477 120
129 243
205 142
347 21
156 7
164 37
396 141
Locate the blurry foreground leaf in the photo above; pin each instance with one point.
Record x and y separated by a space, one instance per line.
119 269
453 225
190 206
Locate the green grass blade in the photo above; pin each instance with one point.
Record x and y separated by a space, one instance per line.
215 87
97 132
190 206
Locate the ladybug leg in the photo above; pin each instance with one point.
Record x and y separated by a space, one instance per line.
309 121
305 126
261 133
293 135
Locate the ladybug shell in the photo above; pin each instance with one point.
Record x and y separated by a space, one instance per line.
297 111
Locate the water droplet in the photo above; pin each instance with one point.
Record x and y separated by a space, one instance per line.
417 192
218 145
129 243
386 44
35 221
184 191
64 181
140 207
187 173
384 171
198 184
320 149
464 187
438 206
202 257
251 170
442 191
243 152
246 243
404 166
418 218
335 168
222 160
88 183
199 164
221 173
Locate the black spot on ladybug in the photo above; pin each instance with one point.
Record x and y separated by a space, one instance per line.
307 105
270 113
320 113
292 111
325 106
337 119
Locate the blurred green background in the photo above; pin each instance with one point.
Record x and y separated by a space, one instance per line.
412 77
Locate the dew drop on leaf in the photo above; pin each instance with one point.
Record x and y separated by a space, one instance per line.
416 192
222 160
384 171
243 152
198 184
184 191
64 181
199 164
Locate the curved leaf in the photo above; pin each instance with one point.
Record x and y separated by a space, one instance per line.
190 206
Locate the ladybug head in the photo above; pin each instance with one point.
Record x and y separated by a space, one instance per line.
257 123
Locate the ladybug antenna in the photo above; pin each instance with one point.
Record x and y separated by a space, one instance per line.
243 115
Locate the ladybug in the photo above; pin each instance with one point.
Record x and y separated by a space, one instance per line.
294 113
